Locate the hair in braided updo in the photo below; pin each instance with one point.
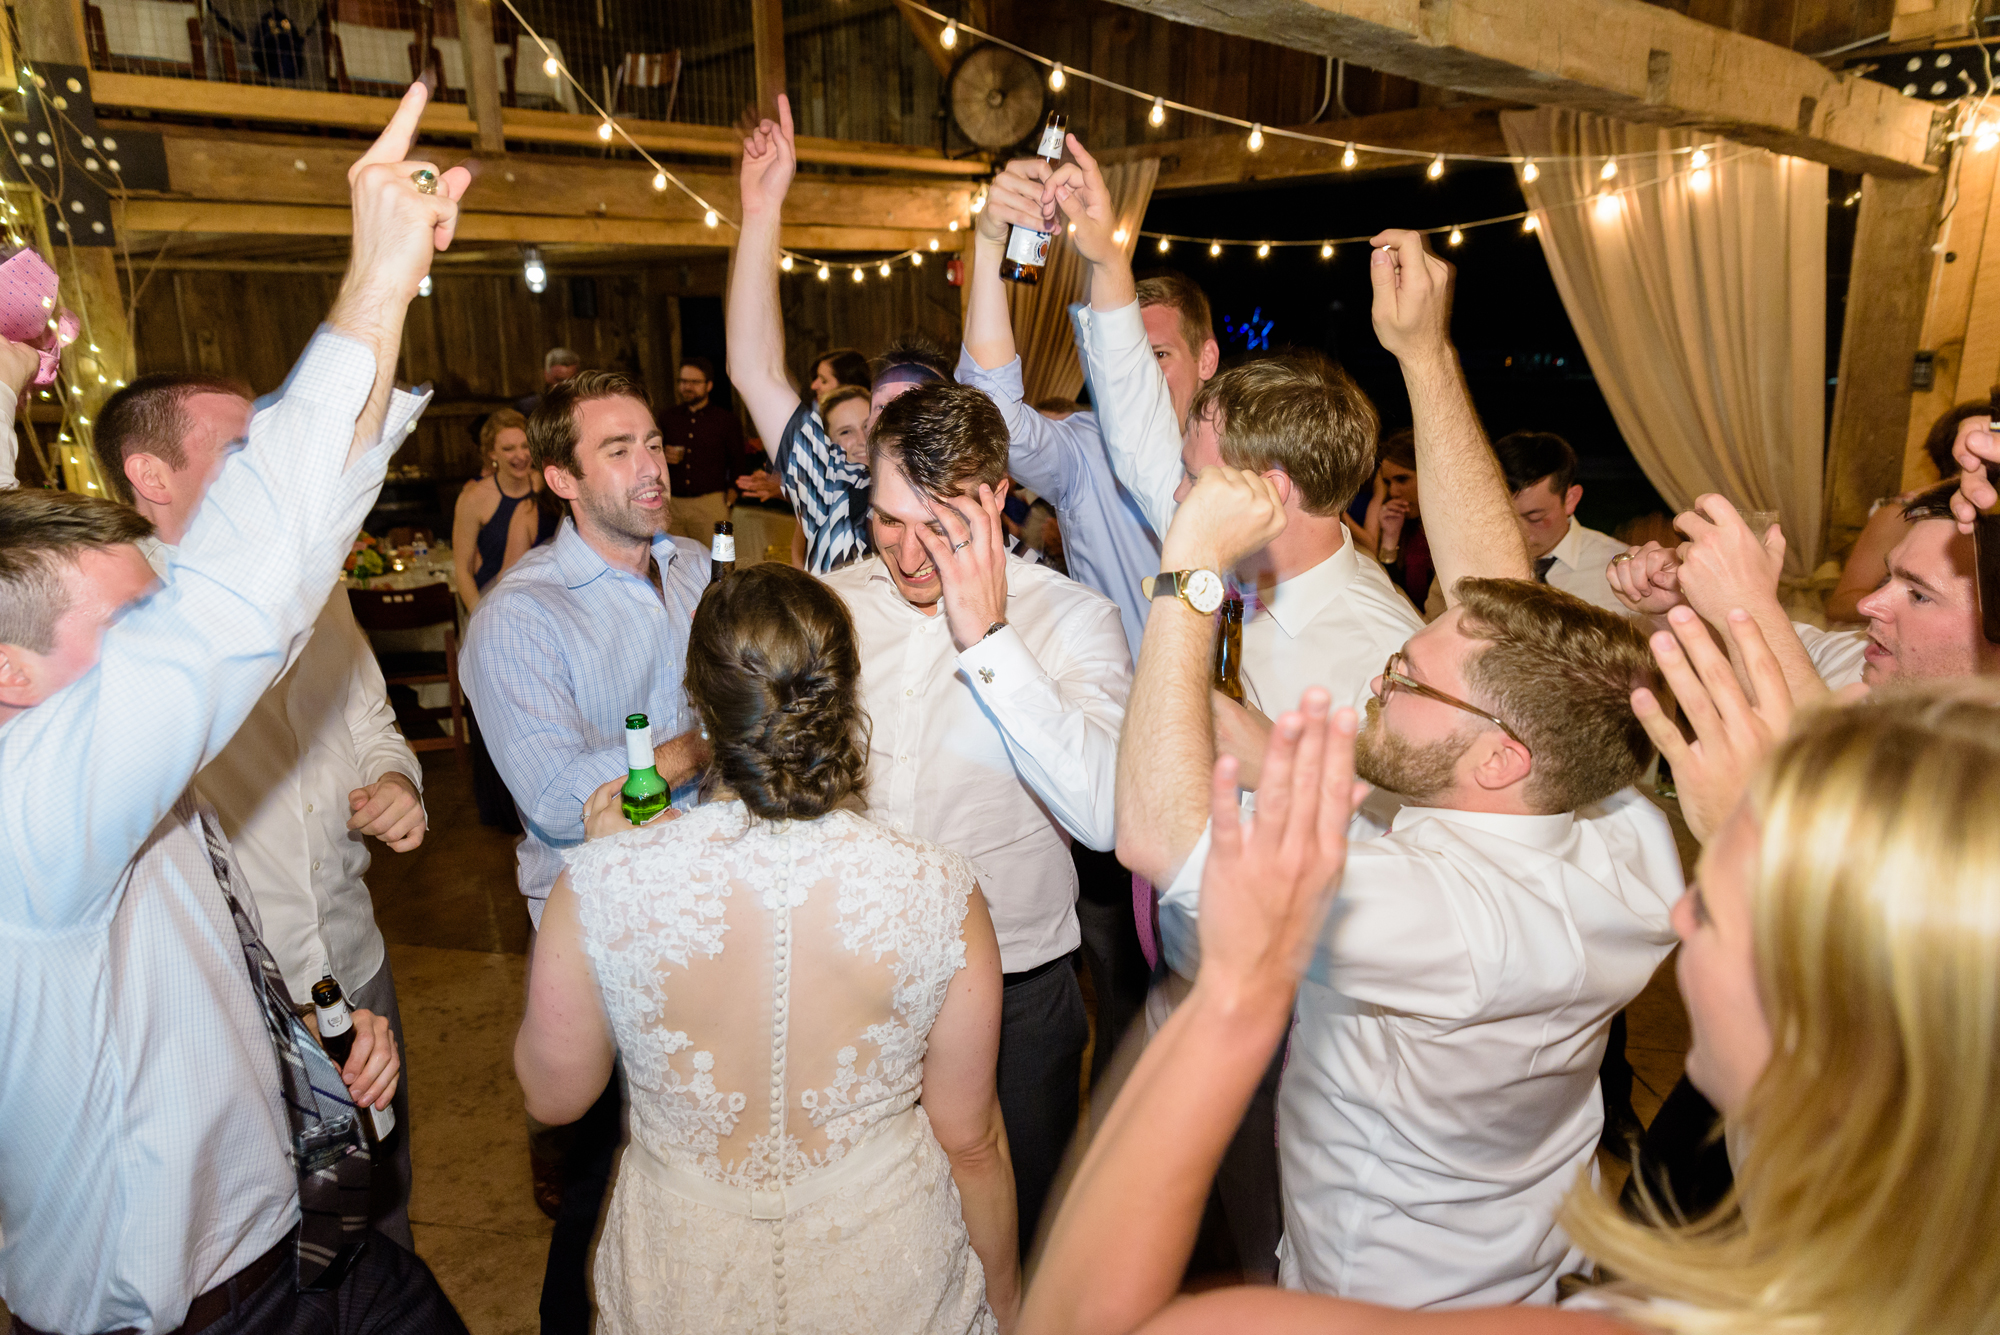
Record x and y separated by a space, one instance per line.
773 670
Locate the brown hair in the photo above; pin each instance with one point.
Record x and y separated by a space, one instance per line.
40 533
1562 673
842 394
1187 300
1933 502
552 427
1944 434
500 419
1298 413
774 670
149 416
942 436
1398 447
849 366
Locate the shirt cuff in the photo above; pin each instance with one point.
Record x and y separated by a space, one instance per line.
1118 331
1180 933
1005 378
1000 664
401 419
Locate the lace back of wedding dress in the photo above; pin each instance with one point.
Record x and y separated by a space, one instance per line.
770 984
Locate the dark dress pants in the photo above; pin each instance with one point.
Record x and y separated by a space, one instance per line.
1119 974
1683 1161
587 1164
1043 1029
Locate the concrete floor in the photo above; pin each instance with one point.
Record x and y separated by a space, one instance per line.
458 934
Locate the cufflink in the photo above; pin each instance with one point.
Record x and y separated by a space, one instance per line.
986 675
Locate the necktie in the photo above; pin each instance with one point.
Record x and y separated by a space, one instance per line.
1542 564
329 1150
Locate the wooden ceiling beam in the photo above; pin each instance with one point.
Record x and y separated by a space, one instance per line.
238 170
354 111
1209 162
1621 58
144 218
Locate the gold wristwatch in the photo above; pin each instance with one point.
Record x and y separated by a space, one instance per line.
1201 590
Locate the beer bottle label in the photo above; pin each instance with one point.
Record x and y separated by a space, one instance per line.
1052 142
723 548
1029 249
334 1021
639 747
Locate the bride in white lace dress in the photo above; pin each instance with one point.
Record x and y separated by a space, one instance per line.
807 1006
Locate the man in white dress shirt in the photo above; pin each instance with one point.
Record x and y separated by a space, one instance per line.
996 690
149 1180
1541 473
317 767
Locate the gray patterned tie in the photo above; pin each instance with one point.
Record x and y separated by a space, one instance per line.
329 1149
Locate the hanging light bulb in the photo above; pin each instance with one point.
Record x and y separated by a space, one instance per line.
856 273
1347 159
949 37
1531 223
1609 170
1214 249
1163 245
951 226
710 218
1455 238
785 263
1263 250
1326 250
1118 237
934 243
1700 158
1057 78
1256 138
550 68
604 130
824 273
1530 172
659 180
1158 115
423 290
532 272
1607 207
884 271
1698 179
1436 169
917 259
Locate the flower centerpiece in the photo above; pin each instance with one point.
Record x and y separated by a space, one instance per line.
365 560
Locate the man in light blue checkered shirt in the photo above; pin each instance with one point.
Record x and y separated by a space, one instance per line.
589 628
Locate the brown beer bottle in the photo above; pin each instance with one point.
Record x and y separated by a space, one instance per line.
1229 651
1986 551
722 551
1028 250
336 1035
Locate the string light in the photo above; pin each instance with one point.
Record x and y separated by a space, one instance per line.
1530 172
949 37
1985 137
951 226
933 244
1263 250
1698 179
1531 224
1700 158
532 271
917 260
1158 115
1326 251
1606 207
1118 237
710 218
604 131
1348 159
1214 249
1056 77
1256 139
1455 237
1436 169
1609 170
824 273
885 270
551 68
1164 246
785 263
856 273
659 180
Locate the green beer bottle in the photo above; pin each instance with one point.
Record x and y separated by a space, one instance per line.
646 794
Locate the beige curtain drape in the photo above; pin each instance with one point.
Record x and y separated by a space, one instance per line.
1702 311
1049 365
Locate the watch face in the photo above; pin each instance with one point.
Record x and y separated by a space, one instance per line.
1204 590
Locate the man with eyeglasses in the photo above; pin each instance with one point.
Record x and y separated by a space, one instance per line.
1440 1094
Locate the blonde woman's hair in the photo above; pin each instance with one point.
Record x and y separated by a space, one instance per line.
1867 1195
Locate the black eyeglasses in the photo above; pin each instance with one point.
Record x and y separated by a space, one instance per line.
1393 680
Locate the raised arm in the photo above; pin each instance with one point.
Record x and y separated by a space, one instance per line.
1469 517
1167 748
755 325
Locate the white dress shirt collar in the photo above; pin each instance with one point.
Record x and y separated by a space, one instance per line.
1544 832
1296 601
1569 552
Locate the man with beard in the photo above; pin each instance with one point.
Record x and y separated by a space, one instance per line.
578 634
1441 1091
704 443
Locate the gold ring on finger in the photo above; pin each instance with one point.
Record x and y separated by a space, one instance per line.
425 180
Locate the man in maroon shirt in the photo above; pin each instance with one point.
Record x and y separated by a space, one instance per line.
704 446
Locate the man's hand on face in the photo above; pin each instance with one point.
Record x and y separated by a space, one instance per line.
1412 306
770 157
1230 513
1014 199
1724 565
1078 189
971 561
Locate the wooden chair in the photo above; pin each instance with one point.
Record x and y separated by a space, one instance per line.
420 608
659 69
